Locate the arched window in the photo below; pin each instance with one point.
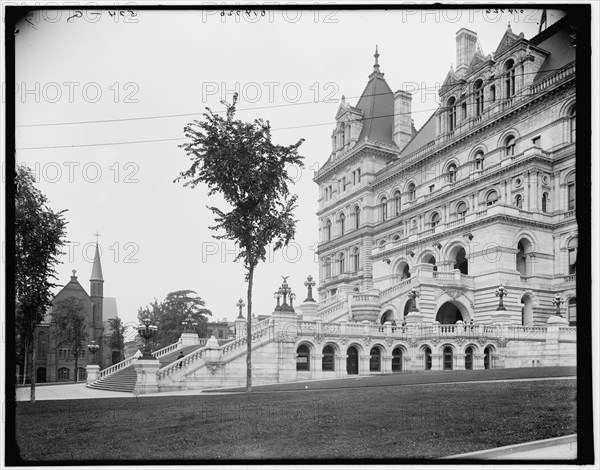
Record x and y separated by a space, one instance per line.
545 202
571 191
81 373
302 358
572 122
461 209
526 311
492 198
487 358
463 108
356 258
427 357
397 360
509 81
452 173
435 219
383 209
397 202
448 356
327 268
375 362
343 135
451 114
328 230
431 260
403 271
572 311
356 217
572 250
42 346
519 201
342 263
411 192
469 358
509 146
479 160
342 224
479 100
523 249
493 93
328 361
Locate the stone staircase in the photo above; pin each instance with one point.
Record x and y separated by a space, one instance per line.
124 379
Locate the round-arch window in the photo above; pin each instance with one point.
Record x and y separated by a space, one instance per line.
328 358
492 198
435 219
461 209
302 358
509 146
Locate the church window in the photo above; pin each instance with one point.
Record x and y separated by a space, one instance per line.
42 346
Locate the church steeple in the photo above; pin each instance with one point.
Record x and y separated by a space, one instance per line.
96 279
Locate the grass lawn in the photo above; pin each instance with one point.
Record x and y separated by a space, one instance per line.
419 421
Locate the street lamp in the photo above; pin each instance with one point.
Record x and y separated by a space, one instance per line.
147 331
93 348
310 284
501 292
188 323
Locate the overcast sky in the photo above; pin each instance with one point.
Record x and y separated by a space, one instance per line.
290 67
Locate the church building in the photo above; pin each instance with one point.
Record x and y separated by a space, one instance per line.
55 361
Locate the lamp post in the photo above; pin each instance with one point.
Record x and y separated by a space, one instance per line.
188 323
147 331
93 348
240 304
309 283
557 301
501 292
413 294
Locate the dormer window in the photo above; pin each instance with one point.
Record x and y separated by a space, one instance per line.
479 100
451 114
509 81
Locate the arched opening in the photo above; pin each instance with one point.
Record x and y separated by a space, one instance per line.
545 202
461 262
435 219
397 360
431 260
526 311
328 230
327 265
81 373
572 123
492 198
509 146
487 358
448 357
356 259
342 224
403 271
356 217
571 191
302 358
387 316
328 361
452 173
523 249
383 209
572 311
342 263
448 314
519 201
509 81
427 357
375 361
411 192
397 203
479 99
461 209
63 373
493 93
572 250
40 375
479 160
469 358
451 114
352 361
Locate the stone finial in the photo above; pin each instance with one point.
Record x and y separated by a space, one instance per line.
309 283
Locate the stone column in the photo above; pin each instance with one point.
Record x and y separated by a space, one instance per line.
363 364
436 361
316 367
340 365
478 361
552 349
386 364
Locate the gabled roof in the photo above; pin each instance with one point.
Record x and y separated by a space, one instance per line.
377 105
478 60
507 40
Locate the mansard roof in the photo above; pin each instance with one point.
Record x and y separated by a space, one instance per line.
557 41
423 137
377 106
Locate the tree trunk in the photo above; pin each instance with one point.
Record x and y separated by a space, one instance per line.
33 371
249 332
76 364
25 356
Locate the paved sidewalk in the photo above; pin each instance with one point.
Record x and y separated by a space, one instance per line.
558 448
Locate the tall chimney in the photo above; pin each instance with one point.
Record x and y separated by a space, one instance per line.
402 118
466 46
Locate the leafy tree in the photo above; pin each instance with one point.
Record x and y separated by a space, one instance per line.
169 315
70 326
116 340
39 236
239 161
